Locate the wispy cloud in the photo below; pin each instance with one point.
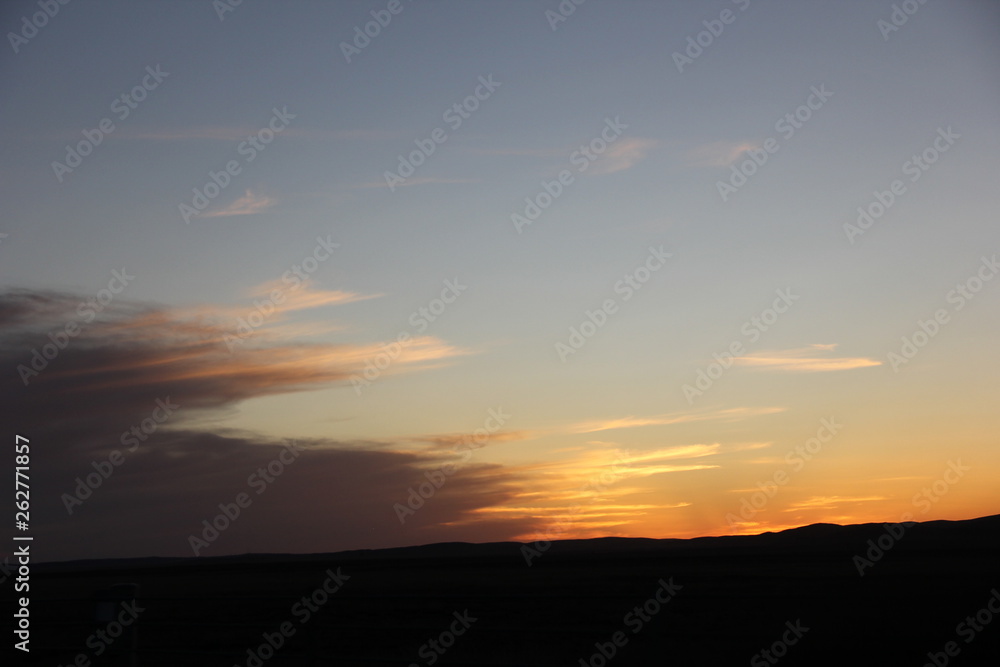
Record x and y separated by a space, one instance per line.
630 463
744 446
448 441
809 359
664 460
596 492
678 452
134 346
249 204
719 153
117 366
241 132
532 152
730 414
425 180
622 155
830 502
308 297
281 301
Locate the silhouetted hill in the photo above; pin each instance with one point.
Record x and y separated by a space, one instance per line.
979 532
868 594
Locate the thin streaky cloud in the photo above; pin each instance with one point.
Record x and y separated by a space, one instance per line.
623 154
282 298
620 509
830 502
446 442
427 180
647 470
679 452
804 360
249 204
626 463
767 460
531 152
730 414
619 156
743 446
305 296
170 354
719 153
241 132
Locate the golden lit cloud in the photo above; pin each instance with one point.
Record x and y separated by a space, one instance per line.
829 502
680 452
266 314
596 491
303 296
206 352
746 446
730 414
652 462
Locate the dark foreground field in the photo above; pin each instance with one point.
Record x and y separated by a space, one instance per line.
797 595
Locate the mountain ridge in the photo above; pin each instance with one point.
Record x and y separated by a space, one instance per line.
977 532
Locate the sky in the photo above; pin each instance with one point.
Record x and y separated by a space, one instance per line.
308 276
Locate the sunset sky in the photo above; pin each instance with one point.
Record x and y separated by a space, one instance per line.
603 278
